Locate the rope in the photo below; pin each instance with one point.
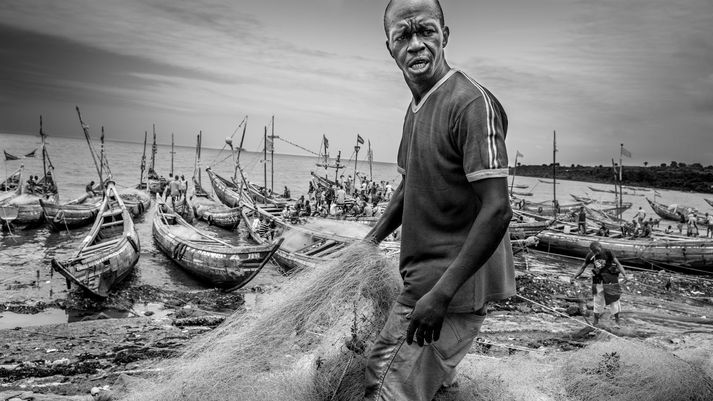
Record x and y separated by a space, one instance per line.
567 316
297 146
231 137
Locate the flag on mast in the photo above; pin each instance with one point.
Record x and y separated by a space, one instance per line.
326 142
625 152
518 154
269 144
360 140
8 156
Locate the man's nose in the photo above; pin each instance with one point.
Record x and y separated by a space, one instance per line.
415 44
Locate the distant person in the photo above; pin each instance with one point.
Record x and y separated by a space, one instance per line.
183 187
603 231
692 225
605 280
173 189
668 230
89 189
341 196
582 221
640 216
646 230
286 193
709 225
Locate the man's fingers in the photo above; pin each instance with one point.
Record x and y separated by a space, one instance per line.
419 336
437 332
409 333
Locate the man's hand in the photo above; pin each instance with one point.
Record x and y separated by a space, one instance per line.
427 318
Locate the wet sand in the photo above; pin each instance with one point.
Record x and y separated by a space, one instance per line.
70 359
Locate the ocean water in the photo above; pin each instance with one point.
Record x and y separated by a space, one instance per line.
25 256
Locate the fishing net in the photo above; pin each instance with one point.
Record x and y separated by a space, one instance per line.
610 369
308 342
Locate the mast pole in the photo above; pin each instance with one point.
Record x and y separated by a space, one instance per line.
356 156
153 150
101 158
143 161
44 158
371 162
85 128
554 173
264 163
236 162
621 171
514 172
172 153
198 163
272 156
336 166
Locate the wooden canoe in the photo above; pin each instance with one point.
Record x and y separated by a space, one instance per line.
675 214
76 213
108 253
214 261
660 252
137 202
708 201
215 213
225 190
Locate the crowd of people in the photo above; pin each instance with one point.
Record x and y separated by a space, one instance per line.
346 197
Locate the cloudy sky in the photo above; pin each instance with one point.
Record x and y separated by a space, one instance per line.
638 72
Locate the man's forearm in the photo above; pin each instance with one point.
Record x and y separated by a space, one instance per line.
483 239
391 219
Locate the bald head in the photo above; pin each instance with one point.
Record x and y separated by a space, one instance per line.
435 4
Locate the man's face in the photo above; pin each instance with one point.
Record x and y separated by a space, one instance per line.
415 40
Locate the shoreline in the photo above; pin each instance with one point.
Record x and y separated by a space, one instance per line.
70 359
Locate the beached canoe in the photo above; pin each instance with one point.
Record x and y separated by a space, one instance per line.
137 201
675 212
108 253
213 212
660 252
75 213
213 260
225 190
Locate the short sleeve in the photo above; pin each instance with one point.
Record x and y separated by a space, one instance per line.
480 130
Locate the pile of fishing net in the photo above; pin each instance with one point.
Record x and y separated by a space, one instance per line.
610 369
307 342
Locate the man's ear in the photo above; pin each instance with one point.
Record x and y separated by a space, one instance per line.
446 33
388 48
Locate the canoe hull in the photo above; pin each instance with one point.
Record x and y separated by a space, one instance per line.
60 217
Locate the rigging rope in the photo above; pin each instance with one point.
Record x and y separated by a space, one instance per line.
296 145
225 144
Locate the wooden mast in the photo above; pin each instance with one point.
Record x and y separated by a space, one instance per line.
554 173
272 156
264 162
143 162
356 156
172 153
85 128
514 173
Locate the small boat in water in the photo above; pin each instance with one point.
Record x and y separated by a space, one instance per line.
108 253
215 261
73 214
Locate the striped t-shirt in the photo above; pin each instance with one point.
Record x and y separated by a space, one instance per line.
454 136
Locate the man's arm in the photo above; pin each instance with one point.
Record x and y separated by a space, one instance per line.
581 269
485 235
621 269
391 219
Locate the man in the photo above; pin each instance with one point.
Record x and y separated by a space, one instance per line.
582 221
341 196
453 209
640 216
174 190
183 187
89 189
709 225
605 280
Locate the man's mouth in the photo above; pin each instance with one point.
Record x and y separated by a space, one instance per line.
418 65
